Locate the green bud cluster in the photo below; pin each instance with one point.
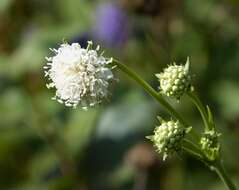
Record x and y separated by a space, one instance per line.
168 137
210 145
175 80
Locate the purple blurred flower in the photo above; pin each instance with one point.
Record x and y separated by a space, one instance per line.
111 26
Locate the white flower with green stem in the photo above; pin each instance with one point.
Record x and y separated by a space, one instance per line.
82 76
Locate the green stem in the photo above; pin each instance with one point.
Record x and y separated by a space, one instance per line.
200 108
217 166
150 91
219 169
153 93
193 153
193 146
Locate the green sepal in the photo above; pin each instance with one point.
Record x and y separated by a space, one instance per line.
150 137
188 129
210 118
187 65
161 120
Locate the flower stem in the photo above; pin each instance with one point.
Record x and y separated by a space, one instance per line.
150 91
200 108
153 93
193 153
193 146
219 169
215 166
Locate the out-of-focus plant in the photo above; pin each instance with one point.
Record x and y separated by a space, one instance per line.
111 25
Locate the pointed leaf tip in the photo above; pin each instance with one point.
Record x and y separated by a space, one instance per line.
150 137
187 64
157 75
160 119
210 116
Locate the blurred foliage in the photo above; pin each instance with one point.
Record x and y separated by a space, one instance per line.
44 145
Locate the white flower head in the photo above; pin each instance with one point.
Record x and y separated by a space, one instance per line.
80 76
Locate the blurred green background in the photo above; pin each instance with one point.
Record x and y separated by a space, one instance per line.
44 145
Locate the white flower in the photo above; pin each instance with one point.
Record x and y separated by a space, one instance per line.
80 76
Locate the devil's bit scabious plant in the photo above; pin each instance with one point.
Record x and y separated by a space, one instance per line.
176 81
82 76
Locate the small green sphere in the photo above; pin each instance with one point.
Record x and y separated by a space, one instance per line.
175 80
168 137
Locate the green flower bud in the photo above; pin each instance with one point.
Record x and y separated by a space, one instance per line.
210 144
175 80
168 137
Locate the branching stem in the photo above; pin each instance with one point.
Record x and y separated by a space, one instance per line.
194 98
189 147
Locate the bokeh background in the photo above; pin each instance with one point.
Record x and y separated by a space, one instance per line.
44 145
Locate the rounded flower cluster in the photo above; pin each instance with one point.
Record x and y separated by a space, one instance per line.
175 80
80 76
210 144
168 137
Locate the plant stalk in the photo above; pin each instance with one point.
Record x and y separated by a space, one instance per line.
200 108
154 94
220 170
150 91
215 166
